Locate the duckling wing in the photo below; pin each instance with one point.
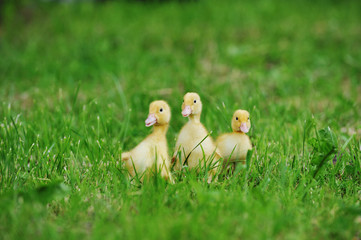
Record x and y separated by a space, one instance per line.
139 158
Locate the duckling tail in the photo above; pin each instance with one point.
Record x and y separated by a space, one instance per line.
173 160
125 156
218 155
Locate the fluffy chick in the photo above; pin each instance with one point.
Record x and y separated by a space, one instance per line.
192 133
153 150
234 146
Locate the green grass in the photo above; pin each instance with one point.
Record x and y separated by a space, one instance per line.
75 84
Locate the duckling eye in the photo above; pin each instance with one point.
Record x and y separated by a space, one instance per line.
161 110
195 101
237 118
248 118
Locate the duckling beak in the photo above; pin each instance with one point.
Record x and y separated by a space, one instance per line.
151 120
244 127
186 111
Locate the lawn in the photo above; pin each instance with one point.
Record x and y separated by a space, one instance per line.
76 80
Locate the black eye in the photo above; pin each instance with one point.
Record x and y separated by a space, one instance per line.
237 118
161 110
195 101
248 118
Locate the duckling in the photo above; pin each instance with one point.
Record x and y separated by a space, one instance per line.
234 146
190 136
153 150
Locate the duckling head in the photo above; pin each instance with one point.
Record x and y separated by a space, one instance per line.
159 114
240 121
192 104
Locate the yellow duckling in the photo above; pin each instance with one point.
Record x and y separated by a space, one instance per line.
153 150
234 146
192 133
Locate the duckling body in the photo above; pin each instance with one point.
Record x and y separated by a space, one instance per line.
151 154
234 146
190 137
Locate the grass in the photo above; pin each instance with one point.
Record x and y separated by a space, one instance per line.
75 84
